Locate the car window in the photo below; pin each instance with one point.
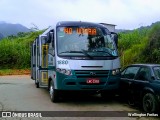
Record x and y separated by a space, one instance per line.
157 72
122 72
143 74
130 72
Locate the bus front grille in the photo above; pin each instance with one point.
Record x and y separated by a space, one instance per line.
91 73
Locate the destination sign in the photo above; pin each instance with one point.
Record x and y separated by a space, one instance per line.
88 31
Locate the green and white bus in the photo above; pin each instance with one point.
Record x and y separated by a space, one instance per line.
75 56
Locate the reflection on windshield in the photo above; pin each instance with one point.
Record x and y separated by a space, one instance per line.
157 72
84 43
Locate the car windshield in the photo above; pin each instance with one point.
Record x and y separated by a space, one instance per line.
157 72
85 41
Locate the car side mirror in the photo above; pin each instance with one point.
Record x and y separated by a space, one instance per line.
152 78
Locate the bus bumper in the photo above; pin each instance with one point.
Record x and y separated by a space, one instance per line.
74 83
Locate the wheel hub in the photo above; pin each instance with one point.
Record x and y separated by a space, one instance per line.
51 91
148 104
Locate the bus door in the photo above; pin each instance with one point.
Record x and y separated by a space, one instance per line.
33 60
43 68
37 57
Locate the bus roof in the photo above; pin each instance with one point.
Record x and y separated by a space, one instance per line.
75 23
78 23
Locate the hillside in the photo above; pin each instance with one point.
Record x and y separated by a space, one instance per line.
140 45
139 29
7 29
1 36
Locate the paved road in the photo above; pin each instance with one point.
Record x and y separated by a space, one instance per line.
18 93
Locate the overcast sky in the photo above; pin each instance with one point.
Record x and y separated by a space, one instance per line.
126 14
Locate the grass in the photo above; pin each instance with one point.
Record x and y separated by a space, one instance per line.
4 72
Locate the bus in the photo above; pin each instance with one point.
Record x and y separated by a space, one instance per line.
76 56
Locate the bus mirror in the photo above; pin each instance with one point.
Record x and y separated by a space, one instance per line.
115 38
50 37
44 39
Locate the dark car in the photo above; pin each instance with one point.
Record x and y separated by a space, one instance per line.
140 83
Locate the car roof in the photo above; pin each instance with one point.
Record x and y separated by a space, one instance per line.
149 65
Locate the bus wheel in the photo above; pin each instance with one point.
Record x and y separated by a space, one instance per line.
53 93
37 84
149 103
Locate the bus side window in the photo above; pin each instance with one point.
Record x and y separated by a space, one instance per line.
50 37
50 59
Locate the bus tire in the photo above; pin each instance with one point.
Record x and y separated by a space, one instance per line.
37 84
150 103
53 93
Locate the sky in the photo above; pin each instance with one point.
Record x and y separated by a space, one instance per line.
125 14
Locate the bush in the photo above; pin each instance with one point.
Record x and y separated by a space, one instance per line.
153 48
15 51
140 46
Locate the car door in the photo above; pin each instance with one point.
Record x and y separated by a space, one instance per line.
155 79
140 82
127 77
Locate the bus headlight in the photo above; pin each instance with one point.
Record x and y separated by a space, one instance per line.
116 71
68 72
64 71
58 69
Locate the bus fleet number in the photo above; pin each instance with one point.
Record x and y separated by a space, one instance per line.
62 62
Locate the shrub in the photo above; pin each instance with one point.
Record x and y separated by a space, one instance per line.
15 51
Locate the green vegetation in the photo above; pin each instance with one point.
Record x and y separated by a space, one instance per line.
140 46
15 50
14 71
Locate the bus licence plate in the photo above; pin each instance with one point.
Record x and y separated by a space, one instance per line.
93 81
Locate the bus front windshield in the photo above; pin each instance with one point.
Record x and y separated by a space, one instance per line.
85 41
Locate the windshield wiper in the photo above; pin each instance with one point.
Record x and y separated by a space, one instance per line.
83 51
71 52
105 52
